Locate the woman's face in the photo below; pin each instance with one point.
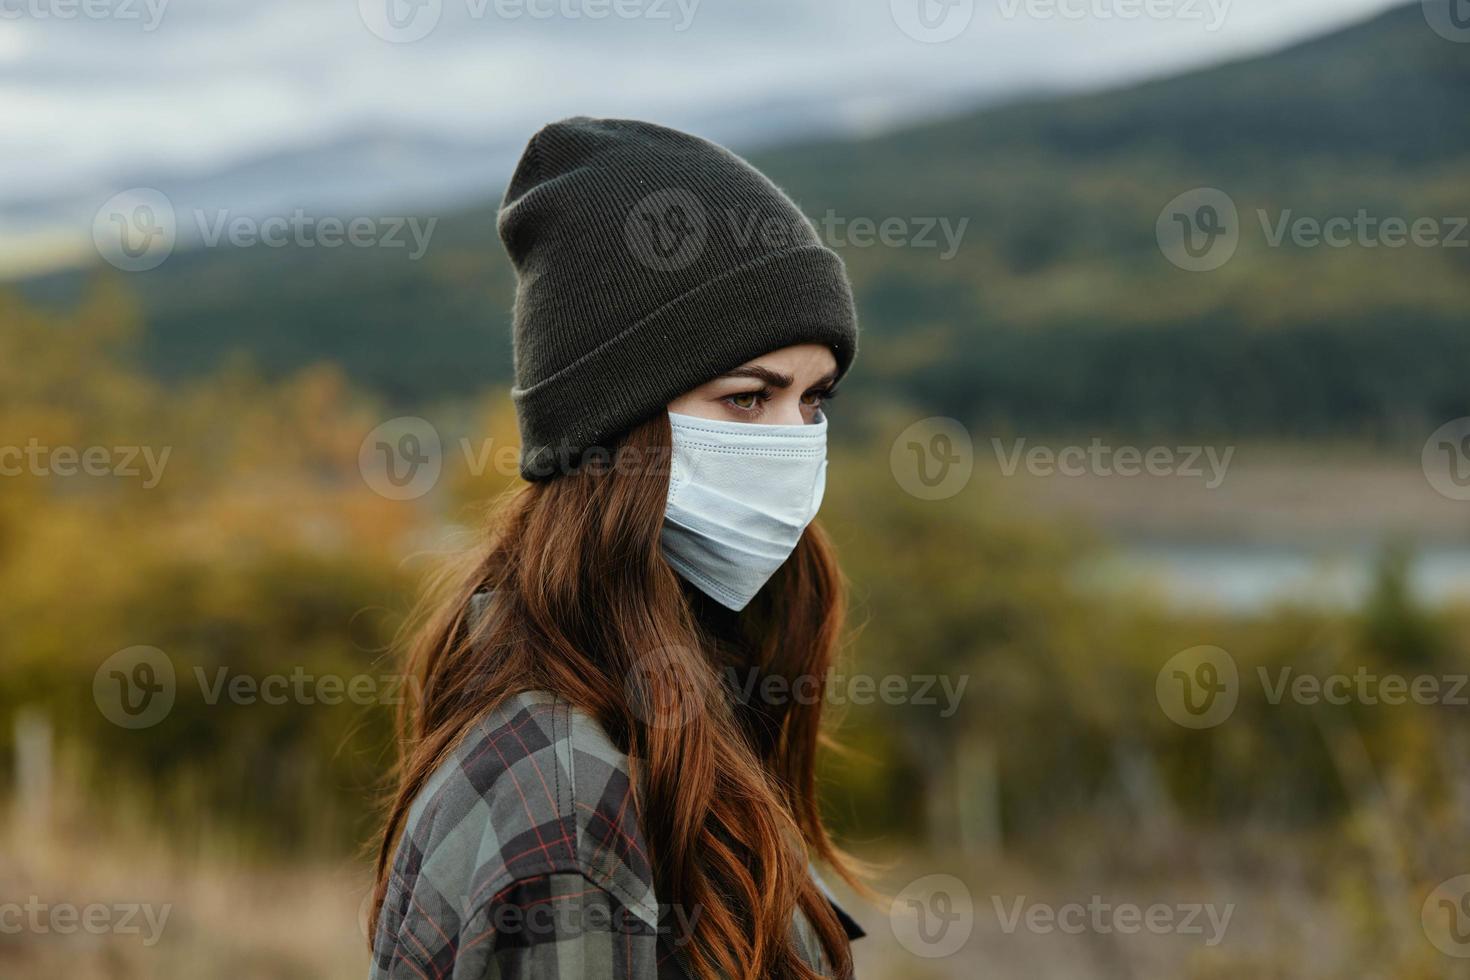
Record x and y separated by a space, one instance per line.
784 387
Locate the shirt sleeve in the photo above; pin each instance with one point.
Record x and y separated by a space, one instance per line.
561 927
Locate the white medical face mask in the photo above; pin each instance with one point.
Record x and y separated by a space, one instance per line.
740 494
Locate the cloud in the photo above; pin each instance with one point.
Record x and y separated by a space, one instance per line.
220 80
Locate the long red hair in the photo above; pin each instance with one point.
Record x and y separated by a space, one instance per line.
587 608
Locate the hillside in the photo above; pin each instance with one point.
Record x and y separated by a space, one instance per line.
1058 310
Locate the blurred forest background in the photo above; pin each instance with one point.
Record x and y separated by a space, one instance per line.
263 550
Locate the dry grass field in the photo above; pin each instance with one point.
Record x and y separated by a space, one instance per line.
172 916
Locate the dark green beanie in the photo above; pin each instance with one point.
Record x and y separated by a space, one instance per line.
649 261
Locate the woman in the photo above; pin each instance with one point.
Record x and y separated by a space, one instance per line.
610 770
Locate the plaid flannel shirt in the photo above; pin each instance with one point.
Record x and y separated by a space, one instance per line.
523 858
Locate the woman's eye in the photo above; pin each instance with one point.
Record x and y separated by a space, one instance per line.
813 399
747 400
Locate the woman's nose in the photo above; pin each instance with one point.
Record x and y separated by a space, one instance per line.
787 412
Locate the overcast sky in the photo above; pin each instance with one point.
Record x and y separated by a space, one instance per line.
89 88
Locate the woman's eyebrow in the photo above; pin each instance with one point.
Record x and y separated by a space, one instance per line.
774 378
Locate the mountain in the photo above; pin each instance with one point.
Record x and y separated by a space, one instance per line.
1062 312
375 171
1054 303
